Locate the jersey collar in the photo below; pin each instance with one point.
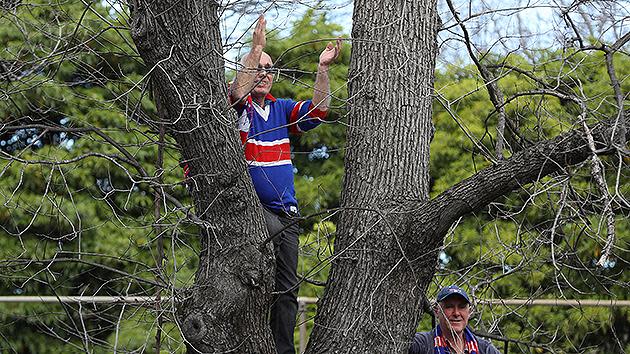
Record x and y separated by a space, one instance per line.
270 98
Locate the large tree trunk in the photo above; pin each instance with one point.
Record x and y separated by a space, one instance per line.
226 311
373 299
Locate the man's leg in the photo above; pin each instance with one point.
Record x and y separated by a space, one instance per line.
284 306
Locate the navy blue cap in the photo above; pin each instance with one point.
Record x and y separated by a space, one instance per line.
451 290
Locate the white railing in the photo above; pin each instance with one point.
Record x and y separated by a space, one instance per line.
141 300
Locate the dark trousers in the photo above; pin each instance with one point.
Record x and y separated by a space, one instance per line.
284 306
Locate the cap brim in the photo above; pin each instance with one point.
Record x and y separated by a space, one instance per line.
454 294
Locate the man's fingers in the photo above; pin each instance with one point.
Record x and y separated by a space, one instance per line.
261 22
331 52
337 48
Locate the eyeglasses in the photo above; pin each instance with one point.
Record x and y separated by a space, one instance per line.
268 68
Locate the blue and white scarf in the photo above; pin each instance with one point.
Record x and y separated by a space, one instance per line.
440 344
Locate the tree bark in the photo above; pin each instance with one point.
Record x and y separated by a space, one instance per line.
472 194
226 310
373 299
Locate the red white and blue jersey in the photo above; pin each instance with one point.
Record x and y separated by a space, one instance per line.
265 136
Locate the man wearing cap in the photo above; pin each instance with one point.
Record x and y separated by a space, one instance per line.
264 125
452 334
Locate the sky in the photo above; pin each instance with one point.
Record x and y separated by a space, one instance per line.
500 26
237 27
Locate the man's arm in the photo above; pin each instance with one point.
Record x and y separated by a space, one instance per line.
422 343
246 76
321 90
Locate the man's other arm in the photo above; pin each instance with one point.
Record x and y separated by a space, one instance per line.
422 343
490 349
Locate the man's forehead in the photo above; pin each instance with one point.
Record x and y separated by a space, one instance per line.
265 59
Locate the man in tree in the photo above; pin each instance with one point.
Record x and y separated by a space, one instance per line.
451 334
264 124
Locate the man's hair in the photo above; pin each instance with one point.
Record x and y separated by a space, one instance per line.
242 61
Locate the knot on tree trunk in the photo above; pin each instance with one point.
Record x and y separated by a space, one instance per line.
258 276
229 190
203 314
194 327
139 25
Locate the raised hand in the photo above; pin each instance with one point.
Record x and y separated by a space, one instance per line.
260 39
330 54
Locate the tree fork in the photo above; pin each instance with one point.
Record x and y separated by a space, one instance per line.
374 294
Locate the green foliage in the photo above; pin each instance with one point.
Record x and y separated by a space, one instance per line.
513 249
318 179
316 248
139 327
76 216
101 207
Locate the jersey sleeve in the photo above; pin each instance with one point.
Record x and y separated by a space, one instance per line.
421 343
239 106
243 118
303 116
491 349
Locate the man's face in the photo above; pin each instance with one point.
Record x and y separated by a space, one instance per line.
453 314
264 78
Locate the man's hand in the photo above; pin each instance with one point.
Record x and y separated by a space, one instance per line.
259 37
321 89
330 54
